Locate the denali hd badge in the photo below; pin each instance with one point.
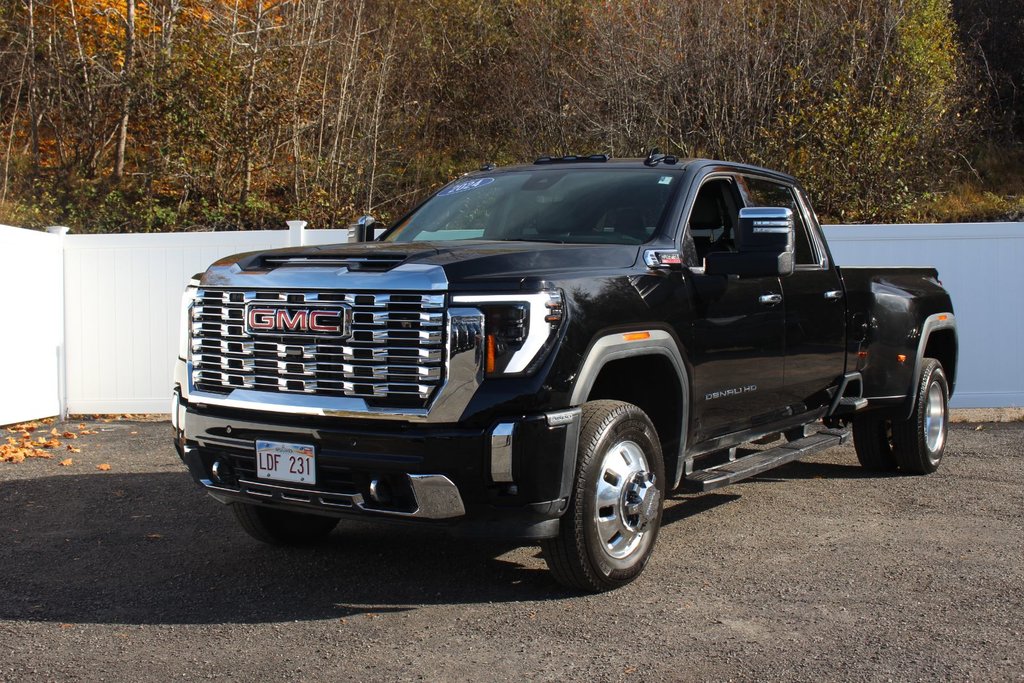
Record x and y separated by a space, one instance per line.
304 320
734 391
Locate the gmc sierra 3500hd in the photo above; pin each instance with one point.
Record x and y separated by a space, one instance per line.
545 352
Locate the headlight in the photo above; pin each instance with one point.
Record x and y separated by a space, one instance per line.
519 330
185 321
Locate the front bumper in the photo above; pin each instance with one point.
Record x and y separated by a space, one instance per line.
510 479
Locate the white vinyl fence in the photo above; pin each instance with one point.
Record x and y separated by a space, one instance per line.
91 321
981 266
31 344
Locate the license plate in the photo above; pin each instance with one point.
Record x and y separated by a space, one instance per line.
286 462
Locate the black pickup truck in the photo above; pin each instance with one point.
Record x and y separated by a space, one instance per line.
546 352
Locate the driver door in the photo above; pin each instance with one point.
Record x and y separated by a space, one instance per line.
738 330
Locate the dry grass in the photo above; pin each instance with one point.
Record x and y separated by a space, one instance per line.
992 190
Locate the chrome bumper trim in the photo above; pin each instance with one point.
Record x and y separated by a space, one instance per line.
501 452
435 494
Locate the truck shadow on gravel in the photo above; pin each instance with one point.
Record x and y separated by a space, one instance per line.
153 549
800 469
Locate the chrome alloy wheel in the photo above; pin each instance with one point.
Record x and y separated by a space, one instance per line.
935 420
627 500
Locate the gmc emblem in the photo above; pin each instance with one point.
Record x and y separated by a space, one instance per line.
263 319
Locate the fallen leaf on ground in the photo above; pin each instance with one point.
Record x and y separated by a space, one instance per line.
70 435
153 536
66 462
73 449
103 467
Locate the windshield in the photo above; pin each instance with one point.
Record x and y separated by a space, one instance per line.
600 206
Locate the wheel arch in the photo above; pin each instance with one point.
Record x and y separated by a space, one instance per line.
938 341
620 366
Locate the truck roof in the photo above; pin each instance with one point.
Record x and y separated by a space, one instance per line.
640 163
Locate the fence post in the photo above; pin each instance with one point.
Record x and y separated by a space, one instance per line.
62 349
296 233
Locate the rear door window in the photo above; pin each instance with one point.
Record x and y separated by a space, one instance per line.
761 192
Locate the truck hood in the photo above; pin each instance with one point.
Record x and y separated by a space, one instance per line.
464 263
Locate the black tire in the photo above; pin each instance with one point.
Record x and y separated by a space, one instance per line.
921 440
619 451
282 527
872 439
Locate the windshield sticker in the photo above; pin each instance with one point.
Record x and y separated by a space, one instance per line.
465 186
665 180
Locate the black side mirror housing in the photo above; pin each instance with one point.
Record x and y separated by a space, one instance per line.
765 237
362 230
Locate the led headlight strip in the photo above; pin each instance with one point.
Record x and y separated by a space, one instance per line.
543 316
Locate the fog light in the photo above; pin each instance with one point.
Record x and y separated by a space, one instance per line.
217 470
379 491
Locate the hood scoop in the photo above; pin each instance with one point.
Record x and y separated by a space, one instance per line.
364 262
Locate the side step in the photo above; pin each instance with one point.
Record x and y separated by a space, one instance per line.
848 405
762 461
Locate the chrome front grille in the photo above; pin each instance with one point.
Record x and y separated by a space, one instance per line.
394 354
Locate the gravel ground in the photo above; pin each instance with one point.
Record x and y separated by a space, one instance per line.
814 572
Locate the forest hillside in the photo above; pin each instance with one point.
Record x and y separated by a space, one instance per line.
160 115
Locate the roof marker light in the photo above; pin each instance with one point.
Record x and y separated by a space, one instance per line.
636 336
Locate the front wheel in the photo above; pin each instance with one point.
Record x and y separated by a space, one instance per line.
921 440
607 534
282 527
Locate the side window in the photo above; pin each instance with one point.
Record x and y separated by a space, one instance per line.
713 217
760 192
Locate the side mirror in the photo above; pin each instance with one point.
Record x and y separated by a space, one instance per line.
765 238
362 230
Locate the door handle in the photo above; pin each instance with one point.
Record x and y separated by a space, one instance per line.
770 299
834 294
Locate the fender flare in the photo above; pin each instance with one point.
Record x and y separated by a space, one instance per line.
611 347
933 323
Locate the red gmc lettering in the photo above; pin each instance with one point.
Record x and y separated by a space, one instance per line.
293 321
261 318
315 324
269 319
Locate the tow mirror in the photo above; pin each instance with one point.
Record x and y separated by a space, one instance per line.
764 237
362 230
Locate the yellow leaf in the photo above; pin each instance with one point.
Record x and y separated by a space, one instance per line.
73 449
103 467
66 462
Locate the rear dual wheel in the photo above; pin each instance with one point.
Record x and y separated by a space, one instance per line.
914 445
607 534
